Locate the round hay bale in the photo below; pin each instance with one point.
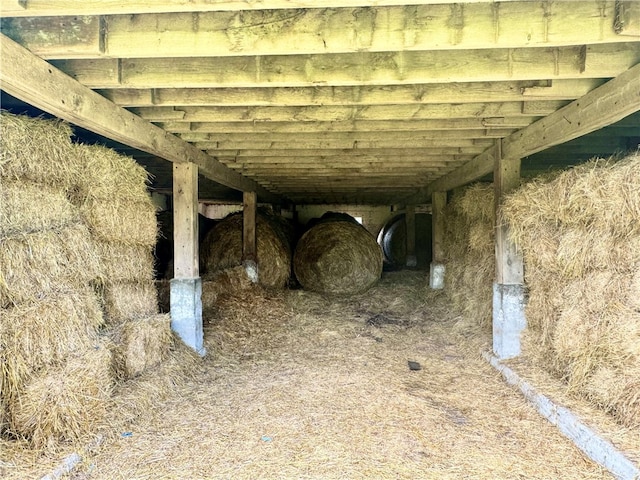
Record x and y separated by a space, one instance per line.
338 257
222 249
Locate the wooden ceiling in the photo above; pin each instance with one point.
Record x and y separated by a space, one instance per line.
331 101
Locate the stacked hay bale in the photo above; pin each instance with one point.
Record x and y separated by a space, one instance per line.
337 256
580 236
221 249
113 200
469 253
55 367
76 233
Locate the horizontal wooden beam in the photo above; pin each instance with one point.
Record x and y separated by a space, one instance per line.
404 125
48 8
36 82
362 68
468 92
343 114
316 30
302 138
603 106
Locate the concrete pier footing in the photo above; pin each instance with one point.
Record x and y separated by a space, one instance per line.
508 319
186 312
436 276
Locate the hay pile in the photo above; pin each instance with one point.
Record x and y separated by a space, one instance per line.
580 236
76 233
56 370
222 249
469 254
337 257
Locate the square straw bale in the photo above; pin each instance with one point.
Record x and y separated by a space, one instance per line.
41 333
120 220
27 207
476 203
123 263
63 403
38 150
35 263
125 301
108 175
141 344
617 391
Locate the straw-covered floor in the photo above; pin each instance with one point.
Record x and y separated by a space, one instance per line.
297 385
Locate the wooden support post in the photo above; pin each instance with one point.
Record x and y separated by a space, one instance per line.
436 274
185 220
508 289
410 223
249 247
186 286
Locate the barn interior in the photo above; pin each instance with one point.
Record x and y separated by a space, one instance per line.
429 123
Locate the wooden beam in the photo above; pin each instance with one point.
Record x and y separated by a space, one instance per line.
603 106
410 222
38 83
509 262
403 137
322 30
341 114
185 220
407 124
438 205
249 250
469 92
363 68
48 8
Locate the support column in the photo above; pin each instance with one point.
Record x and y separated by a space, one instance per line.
410 223
508 289
436 269
186 286
249 248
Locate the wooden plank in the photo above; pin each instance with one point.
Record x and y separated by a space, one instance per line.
38 83
509 262
249 250
339 30
330 143
483 123
68 37
438 205
48 8
342 114
603 106
469 92
627 18
302 138
364 68
185 220
410 222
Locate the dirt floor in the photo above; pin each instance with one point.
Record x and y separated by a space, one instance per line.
298 386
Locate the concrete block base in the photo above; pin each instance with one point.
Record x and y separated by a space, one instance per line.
186 312
508 319
436 276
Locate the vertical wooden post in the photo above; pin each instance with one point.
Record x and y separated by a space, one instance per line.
410 223
508 289
185 220
437 268
249 247
186 286
506 178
